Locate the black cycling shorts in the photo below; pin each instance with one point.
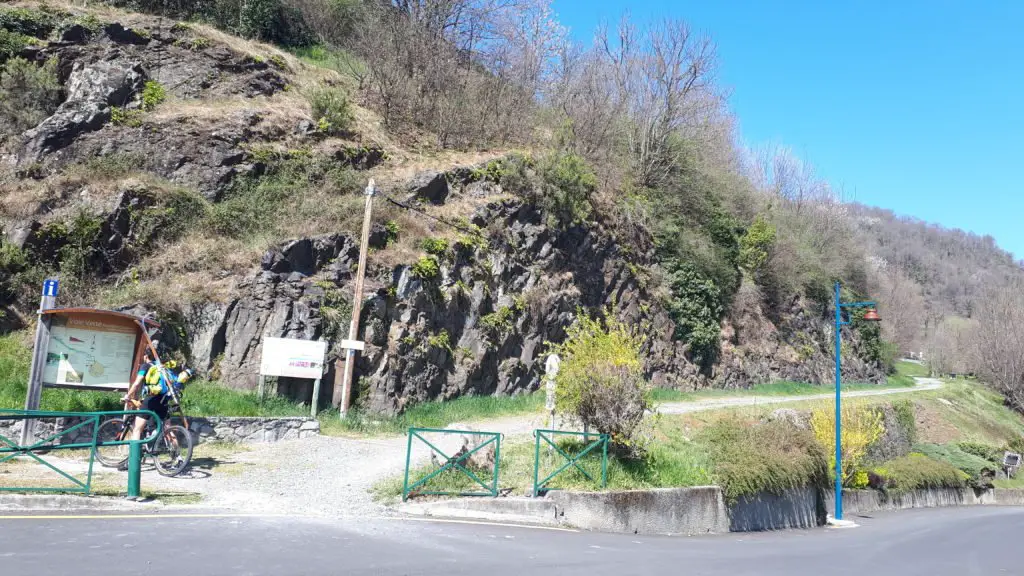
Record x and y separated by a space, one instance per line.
157 404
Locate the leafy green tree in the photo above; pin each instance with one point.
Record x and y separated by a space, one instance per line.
755 244
696 307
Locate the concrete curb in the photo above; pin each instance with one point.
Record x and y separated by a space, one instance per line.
697 510
528 511
65 503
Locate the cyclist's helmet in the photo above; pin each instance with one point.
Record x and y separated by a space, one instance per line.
184 376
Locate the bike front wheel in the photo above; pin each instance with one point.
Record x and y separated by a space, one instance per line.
172 451
113 430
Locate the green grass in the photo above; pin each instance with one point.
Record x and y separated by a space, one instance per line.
912 369
977 413
209 399
433 414
15 357
337 59
677 463
742 459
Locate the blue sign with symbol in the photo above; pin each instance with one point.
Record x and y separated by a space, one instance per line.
51 287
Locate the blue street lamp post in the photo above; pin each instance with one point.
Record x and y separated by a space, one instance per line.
871 315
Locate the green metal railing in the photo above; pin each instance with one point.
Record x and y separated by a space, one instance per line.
455 462
10 449
573 461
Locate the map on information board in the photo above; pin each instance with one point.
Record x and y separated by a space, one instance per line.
89 353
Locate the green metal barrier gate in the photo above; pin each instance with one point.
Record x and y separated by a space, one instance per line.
455 462
9 449
571 461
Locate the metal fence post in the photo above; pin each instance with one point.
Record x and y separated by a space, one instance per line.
408 459
604 464
536 461
134 469
497 464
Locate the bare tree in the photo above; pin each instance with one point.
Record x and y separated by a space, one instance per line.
901 303
1000 342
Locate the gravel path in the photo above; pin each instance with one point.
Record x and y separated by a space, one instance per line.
716 403
333 476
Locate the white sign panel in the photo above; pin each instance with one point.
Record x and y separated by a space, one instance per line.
293 358
551 370
89 353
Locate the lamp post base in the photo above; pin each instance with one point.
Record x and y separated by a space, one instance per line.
833 523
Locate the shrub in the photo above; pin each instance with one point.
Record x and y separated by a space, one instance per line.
180 212
12 263
426 268
991 453
11 44
436 246
862 427
600 381
251 205
769 457
917 471
498 322
124 117
331 110
754 245
29 21
440 340
695 306
979 471
569 183
28 94
153 94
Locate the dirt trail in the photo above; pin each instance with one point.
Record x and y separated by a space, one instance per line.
333 476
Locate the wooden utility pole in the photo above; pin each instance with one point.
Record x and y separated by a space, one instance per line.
343 394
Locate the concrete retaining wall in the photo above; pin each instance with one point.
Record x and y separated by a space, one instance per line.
868 501
702 510
688 511
799 508
220 429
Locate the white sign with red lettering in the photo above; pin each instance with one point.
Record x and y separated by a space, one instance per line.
293 358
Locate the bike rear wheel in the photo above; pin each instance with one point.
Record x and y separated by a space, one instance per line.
172 451
113 430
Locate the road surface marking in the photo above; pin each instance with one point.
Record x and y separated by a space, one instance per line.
475 522
133 516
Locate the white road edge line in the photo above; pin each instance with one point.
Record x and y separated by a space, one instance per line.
473 522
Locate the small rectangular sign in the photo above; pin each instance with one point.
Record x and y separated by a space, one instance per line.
293 358
353 345
51 288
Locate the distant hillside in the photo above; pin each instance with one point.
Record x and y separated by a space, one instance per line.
952 266
928 272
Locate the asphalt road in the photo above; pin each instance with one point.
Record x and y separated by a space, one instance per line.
938 542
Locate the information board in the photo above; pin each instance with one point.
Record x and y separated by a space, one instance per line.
293 358
90 352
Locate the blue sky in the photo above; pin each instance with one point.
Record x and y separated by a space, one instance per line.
913 106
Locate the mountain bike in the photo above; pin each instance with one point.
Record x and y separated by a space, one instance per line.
170 453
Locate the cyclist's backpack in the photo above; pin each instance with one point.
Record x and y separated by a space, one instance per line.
156 383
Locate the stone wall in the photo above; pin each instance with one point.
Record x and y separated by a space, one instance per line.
214 429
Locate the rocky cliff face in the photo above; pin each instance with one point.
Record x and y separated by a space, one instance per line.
473 317
481 324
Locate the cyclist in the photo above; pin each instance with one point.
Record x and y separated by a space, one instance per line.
158 390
